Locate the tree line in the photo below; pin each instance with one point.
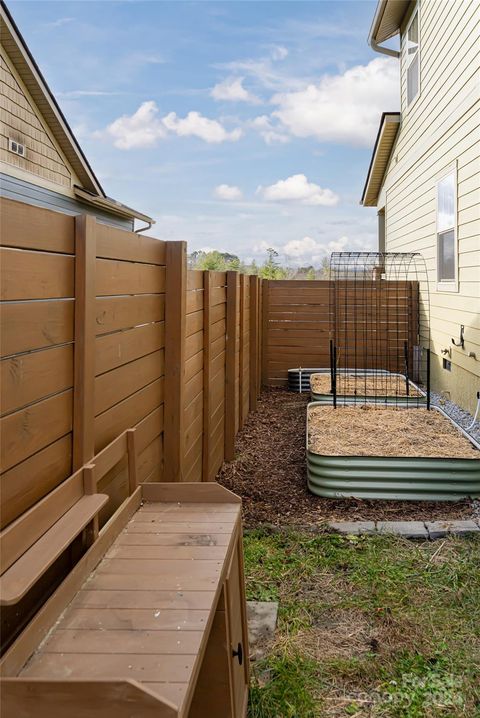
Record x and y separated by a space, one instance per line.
271 268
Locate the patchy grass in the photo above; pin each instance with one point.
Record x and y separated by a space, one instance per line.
369 627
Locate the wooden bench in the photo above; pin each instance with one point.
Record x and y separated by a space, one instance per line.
31 544
150 622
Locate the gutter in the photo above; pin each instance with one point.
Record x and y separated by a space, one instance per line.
376 47
382 50
112 206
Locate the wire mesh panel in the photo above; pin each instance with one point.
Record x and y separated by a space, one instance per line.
379 328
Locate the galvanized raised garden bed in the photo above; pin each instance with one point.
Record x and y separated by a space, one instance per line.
397 478
417 398
299 378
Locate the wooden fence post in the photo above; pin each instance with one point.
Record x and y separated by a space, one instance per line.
260 336
254 333
175 320
207 298
84 350
241 359
230 368
265 310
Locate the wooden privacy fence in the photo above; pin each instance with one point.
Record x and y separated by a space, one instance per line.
372 321
103 330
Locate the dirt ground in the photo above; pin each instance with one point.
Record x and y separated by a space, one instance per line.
269 473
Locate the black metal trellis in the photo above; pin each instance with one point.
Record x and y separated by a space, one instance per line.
380 322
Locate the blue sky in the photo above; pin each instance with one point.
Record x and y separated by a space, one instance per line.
236 125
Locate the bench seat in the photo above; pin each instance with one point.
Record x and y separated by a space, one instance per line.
162 612
17 580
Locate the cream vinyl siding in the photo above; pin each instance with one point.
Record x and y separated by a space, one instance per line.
440 132
21 121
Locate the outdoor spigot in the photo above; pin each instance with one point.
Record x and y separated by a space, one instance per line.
461 342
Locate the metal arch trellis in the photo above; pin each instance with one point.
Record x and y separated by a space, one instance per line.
379 310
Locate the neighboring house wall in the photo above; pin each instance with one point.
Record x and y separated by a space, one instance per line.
440 130
21 121
44 177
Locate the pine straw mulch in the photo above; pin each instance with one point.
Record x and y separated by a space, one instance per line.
379 385
269 473
378 431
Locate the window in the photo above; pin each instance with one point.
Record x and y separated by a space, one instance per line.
446 239
413 59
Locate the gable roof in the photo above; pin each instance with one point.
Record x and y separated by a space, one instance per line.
31 76
386 136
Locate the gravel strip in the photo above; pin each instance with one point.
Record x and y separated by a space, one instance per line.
462 417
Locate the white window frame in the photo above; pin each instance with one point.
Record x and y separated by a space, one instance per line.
450 285
416 12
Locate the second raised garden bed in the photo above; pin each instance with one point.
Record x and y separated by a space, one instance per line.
378 387
379 452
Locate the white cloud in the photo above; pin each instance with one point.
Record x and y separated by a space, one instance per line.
232 90
59 23
195 125
230 193
271 133
344 107
298 248
279 52
297 188
338 245
142 129
310 251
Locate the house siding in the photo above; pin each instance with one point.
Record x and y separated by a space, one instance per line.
439 131
18 189
20 120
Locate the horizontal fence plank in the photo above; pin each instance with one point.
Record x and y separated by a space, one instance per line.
114 278
194 279
218 279
35 275
29 227
121 347
194 301
193 344
35 325
194 322
113 243
30 430
218 312
127 413
127 312
30 377
32 479
193 365
119 383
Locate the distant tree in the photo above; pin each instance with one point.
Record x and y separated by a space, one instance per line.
325 268
252 267
271 268
311 274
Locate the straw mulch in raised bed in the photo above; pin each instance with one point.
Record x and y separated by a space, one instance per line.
269 473
379 431
380 385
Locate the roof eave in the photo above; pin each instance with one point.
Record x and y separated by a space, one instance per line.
30 71
111 205
384 142
387 20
